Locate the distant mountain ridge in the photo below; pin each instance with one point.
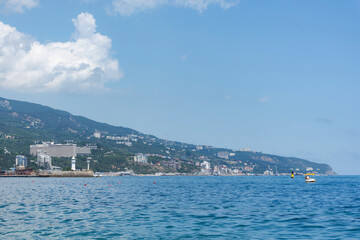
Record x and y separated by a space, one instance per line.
26 123
50 118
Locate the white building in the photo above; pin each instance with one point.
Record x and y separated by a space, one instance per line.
245 150
205 165
97 135
59 150
44 160
126 143
141 158
20 161
268 172
205 168
224 155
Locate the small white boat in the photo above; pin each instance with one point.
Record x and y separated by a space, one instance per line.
309 179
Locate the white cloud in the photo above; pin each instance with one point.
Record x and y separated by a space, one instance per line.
264 99
185 56
17 6
201 5
79 65
85 25
129 7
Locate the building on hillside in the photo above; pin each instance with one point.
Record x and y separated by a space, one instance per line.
248 169
224 170
245 150
141 158
44 161
20 161
170 164
97 135
268 172
205 165
59 150
223 155
83 150
126 143
205 168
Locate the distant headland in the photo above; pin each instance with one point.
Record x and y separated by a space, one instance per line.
50 138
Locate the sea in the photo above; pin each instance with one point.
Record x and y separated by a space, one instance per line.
183 207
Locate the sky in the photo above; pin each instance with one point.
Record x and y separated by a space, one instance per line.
280 77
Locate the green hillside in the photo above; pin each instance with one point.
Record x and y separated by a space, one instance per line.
23 124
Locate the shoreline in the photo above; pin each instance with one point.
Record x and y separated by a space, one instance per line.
51 174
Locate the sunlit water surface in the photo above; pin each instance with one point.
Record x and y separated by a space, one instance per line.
180 207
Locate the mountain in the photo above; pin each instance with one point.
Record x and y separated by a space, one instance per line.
23 124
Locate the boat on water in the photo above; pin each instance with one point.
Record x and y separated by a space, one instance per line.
308 179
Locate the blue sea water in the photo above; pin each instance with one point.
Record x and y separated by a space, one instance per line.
241 207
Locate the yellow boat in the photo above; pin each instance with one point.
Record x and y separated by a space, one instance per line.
309 179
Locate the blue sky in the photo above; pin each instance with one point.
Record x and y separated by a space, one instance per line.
279 77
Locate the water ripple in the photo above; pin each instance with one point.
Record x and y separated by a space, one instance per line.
180 208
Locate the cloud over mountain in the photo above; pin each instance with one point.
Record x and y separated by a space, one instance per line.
81 64
129 7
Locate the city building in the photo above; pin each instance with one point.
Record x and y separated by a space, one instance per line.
83 150
20 161
268 172
44 161
141 158
222 170
59 150
97 135
126 143
248 169
224 155
205 168
205 165
170 164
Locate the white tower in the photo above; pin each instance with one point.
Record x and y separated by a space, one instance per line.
73 161
88 159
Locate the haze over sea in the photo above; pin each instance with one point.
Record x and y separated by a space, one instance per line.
180 207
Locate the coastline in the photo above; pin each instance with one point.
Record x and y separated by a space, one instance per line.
89 173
